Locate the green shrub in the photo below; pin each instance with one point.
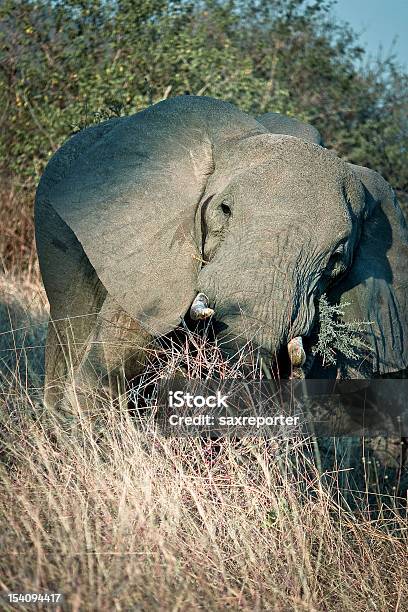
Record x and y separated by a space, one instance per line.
337 336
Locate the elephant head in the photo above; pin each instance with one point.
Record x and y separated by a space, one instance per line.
192 196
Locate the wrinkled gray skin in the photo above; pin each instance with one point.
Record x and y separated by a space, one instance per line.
136 215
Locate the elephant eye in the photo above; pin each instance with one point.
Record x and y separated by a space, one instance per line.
225 209
336 264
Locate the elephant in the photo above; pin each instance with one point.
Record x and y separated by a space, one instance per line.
192 207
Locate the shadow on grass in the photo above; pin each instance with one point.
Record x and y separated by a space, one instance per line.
23 329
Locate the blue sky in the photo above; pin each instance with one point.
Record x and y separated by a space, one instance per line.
379 22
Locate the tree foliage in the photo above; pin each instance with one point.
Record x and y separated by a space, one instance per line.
67 63
338 337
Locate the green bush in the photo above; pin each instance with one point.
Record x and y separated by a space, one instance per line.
66 64
337 336
63 59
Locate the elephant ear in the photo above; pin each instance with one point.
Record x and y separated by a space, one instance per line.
377 285
281 124
128 189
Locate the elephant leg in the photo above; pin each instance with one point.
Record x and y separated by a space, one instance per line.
68 342
92 344
69 337
56 364
115 352
90 358
76 296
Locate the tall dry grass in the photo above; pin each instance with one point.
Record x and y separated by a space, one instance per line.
117 518
101 509
17 241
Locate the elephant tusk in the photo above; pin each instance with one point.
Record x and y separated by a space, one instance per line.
199 308
296 352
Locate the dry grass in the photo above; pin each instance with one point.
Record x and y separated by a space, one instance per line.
118 518
17 242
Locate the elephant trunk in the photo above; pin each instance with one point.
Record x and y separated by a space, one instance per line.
259 308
